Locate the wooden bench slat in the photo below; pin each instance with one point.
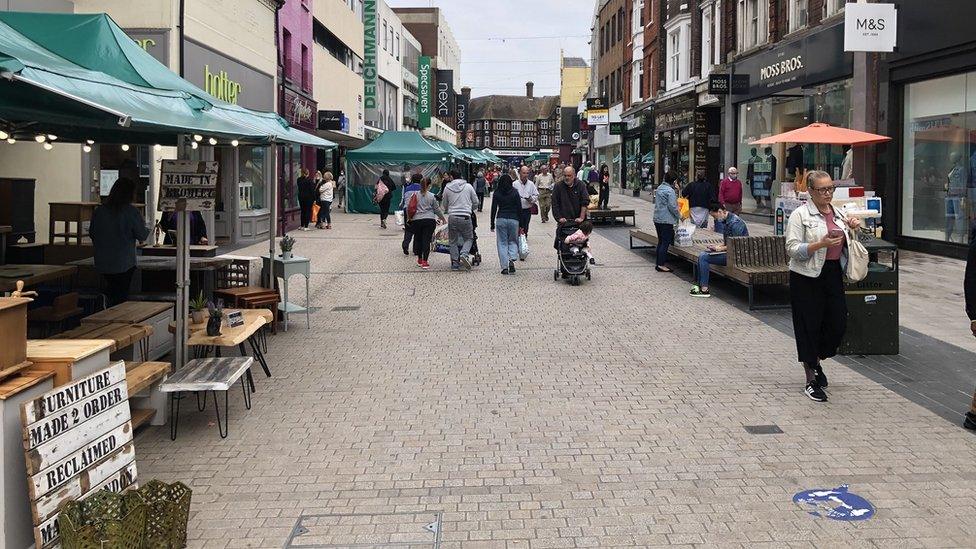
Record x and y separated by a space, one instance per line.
139 375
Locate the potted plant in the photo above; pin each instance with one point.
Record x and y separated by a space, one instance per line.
198 306
287 243
216 317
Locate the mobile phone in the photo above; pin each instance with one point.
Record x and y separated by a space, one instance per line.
836 233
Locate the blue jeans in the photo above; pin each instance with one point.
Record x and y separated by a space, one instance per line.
506 239
706 259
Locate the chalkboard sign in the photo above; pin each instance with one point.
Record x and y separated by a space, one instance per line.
78 439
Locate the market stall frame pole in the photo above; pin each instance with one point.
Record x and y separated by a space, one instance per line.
182 273
273 191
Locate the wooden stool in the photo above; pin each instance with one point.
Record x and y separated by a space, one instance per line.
267 300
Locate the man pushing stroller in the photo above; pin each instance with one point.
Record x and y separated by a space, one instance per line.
569 201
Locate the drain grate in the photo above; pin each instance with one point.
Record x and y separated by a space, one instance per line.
763 429
346 308
420 530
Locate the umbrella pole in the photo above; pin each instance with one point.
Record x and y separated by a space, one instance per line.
182 278
273 192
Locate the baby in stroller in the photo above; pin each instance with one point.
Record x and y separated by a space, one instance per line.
579 241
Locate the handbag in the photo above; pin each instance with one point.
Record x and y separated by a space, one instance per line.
534 210
857 259
315 211
412 207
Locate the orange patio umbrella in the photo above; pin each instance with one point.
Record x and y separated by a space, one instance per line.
825 134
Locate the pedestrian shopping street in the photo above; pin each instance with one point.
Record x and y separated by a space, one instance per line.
514 411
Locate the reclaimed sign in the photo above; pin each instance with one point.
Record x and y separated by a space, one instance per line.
424 74
77 439
194 181
370 71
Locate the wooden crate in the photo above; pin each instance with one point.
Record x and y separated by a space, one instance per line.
13 335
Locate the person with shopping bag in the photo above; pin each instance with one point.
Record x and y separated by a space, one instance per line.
306 198
383 196
666 216
530 198
408 192
506 208
820 240
424 214
459 201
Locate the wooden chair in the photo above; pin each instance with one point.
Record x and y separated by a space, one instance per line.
63 307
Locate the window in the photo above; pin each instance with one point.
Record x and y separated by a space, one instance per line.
250 171
753 16
286 52
544 140
674 57
635 80
516 126
501 125
831 7
798 14
500 141
621 19
529 142
386 37
544 124
706 41
516 142
613 30
306 73
397 46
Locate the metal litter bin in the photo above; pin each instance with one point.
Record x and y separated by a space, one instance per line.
872 304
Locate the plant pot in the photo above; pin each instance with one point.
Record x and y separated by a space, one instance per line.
213 326
198 317
286 255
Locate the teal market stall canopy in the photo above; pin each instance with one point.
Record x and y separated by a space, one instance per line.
477 156
403 154
79 76
450 149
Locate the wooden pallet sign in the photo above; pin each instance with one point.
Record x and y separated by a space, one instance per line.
77 439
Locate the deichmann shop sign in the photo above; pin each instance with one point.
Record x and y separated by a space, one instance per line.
813 59
424 75
370 71
227 79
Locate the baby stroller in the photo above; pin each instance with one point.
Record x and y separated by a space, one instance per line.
569 264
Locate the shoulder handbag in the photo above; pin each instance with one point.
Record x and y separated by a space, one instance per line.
412 206
857 259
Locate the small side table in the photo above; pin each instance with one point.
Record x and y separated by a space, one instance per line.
284 269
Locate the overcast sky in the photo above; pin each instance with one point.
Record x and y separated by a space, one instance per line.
505 63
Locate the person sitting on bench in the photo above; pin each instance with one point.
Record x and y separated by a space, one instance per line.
734 226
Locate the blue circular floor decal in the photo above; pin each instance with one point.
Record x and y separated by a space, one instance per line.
835 504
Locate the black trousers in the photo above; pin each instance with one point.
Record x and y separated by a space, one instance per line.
408 235
481 200
665 238
117 286
423 235
325 212
604 200
306 213
385 206
819 313
525 216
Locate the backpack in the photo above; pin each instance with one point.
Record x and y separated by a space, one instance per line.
412 206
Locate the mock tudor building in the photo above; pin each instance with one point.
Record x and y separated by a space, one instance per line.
513 125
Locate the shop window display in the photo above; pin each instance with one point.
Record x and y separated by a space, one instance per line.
766 167
939 159
251 186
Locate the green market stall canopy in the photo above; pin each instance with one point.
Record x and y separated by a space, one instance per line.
402 154
79 76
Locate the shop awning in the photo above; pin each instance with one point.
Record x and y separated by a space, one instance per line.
450 149
823 134
395 147
477 156
82 77
492 156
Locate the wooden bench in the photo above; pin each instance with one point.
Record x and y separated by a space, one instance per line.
141 377
156 315
752 260
207 375
121 334
612 215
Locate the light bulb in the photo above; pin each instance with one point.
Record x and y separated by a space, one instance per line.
48 146
39 138
4 135
86 148
125 147
90 141
212 141
234 143
52 137
197 137
193 145
157 147
11 140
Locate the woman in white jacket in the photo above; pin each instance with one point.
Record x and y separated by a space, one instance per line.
816 241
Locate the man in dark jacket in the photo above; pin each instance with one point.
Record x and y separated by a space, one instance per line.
700 195
970 288
569 200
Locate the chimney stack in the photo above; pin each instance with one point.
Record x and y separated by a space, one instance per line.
528 89
466 93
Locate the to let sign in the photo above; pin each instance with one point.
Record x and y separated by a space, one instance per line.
194 181
77 440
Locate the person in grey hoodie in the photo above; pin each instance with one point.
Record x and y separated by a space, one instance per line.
459 201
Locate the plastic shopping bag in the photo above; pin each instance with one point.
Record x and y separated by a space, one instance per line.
684 208
684 234
399 217
315 212
441 243
523 247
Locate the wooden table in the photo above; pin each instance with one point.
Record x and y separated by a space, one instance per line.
69 359
33 275
203 375
232 295
254 319
166 250
121 334
153 314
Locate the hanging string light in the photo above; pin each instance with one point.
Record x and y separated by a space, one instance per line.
157 147
86 148
51 137
90 141
234 143
125 147
11 140
194 145
48 146
39 138
212 141
197 137
4 135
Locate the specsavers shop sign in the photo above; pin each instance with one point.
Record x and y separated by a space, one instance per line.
424 76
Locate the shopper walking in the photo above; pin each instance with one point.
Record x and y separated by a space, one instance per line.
603 203
340 190
544 182
816 241
969 287
459 200
384 203
506 209
326 197
114 229
480 187
423 223
730 191
306 198
413 188
666 216
530 198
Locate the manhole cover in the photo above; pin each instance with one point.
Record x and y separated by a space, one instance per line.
346 308
763 429
420 530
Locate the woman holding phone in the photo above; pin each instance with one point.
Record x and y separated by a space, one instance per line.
816 241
